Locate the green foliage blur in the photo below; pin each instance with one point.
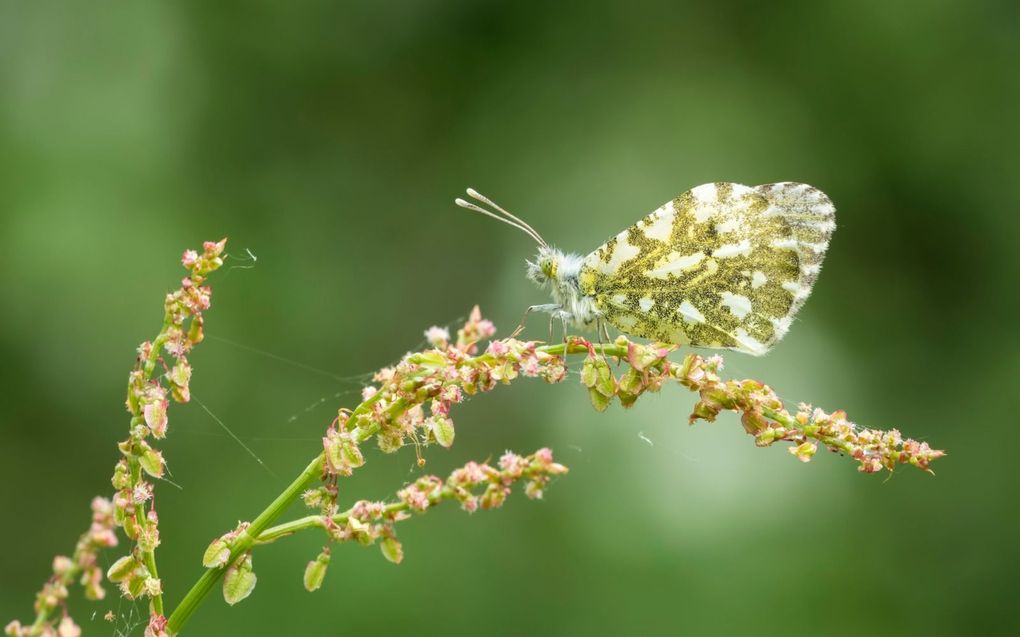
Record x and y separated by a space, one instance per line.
328 141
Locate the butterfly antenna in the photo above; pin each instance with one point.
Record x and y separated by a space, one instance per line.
489 213
521 222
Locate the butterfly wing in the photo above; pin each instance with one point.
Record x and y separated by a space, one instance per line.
722 265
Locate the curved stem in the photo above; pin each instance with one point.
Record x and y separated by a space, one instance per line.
258 531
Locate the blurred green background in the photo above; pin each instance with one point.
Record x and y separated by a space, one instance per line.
330 139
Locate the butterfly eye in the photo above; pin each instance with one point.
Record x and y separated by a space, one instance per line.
548 268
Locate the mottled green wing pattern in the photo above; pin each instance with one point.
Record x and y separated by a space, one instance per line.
722 265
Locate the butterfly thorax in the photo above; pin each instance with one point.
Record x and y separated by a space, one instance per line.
560 272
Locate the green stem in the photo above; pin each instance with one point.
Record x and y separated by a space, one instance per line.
791 423
315 521
244 542
257 532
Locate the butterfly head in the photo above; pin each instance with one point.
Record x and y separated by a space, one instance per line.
552 269
546 267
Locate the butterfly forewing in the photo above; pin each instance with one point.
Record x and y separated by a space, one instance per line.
722 265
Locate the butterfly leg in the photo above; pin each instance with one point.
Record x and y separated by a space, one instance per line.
551 308
566 341
600 330
603 330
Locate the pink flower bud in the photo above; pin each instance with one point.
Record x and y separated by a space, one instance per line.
512 464
156 627
214 248
141 493
61 565
414 498
92 580
438 337
104 537
498 348
67 628
494 496
451 394
486 328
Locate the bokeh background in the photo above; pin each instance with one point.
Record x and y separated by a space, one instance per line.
329 140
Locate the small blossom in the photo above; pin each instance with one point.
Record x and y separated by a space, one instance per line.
469 475
498 348
153 587
92 580
414 498
512 465
438 337
156 627
534 489
451 394
68 628
214 248
804 451
62 565
494 497
141 493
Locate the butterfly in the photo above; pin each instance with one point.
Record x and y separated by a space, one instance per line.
723 265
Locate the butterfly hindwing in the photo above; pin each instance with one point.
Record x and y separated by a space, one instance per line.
722 265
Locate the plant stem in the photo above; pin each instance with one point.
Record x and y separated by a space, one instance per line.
257 532
244 542
315 521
